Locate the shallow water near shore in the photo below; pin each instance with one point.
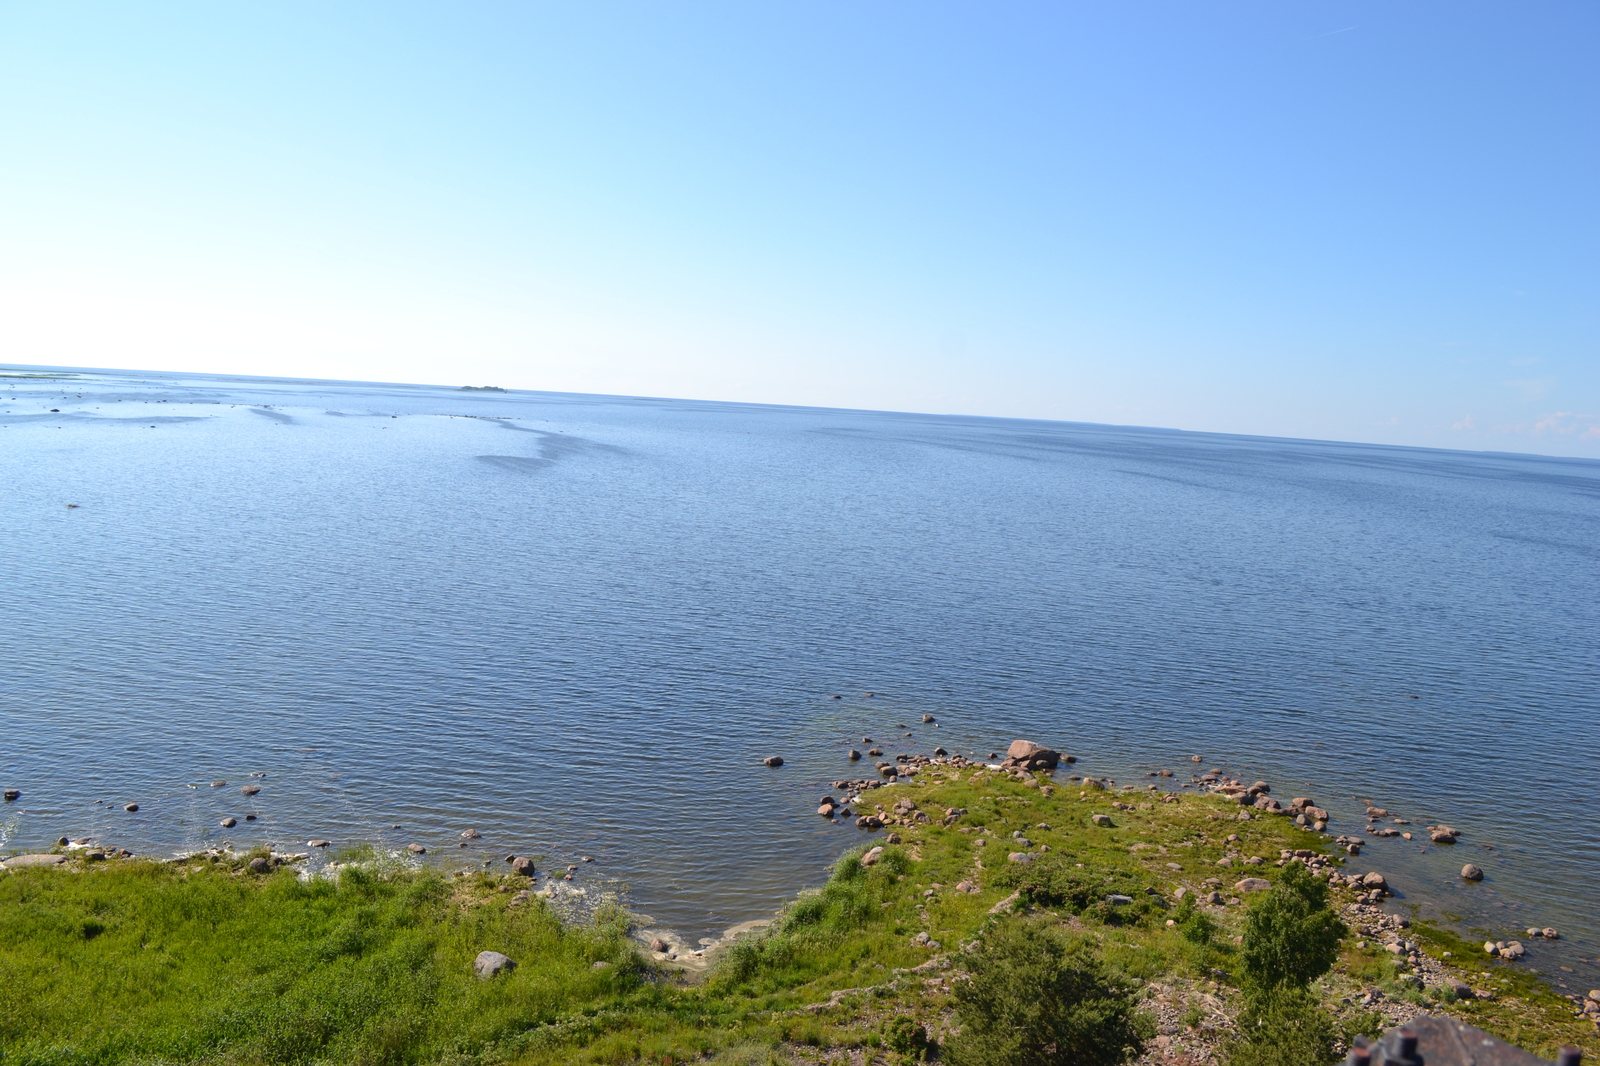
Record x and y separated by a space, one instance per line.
576 624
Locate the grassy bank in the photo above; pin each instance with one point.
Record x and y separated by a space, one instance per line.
204 961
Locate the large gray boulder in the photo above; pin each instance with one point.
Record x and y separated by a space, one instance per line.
489 963
17 862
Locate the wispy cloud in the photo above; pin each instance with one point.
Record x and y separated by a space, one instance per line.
1566 424
1465 423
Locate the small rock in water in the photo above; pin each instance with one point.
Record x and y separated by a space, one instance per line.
1195 758
229 823
927 718
13 794
471 834
657 944
318 843
62 842
250 790
489 963
854 755
249 817
1471 872
130 807
875 751
523 866
219 784
773 761
416 849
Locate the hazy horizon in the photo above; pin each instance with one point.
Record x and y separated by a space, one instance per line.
1334 221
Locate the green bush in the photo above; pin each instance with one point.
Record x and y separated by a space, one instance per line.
1194 924
906 1036
1036 998
1051 881
1285 1028
1291 936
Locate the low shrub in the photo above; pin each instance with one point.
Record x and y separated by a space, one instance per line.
1037 997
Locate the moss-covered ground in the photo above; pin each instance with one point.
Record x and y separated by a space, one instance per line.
202 961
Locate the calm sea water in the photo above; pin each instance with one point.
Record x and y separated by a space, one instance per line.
577 623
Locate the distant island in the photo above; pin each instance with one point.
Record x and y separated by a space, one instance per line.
482 388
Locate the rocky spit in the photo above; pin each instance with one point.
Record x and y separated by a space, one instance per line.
863 803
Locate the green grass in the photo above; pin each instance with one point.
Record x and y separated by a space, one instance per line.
203 962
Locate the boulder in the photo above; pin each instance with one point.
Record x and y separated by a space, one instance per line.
250 790
1102 819
657 944
1374 880
871 858
826 810
1316 814
489 963
854 755
773 761
258 865
1471 872
319 843
471 834
416 849
229 823
130 807
1026 755
927 718
13 794
1019 856
17 862
523 866
1252 884
1442 836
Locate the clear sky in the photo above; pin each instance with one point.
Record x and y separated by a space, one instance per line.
1360 221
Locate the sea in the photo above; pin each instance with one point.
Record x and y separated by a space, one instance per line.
578 624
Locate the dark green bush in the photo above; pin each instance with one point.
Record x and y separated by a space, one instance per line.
906 1036
1284 1028
1291 937
1038 998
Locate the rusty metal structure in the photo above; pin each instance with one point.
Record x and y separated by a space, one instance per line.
1447 1042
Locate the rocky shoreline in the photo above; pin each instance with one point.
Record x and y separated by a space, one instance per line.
890 811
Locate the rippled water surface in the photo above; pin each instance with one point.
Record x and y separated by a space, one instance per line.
577 623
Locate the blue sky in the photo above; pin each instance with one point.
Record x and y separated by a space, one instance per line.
1359 221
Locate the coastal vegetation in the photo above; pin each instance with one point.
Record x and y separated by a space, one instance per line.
997 918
